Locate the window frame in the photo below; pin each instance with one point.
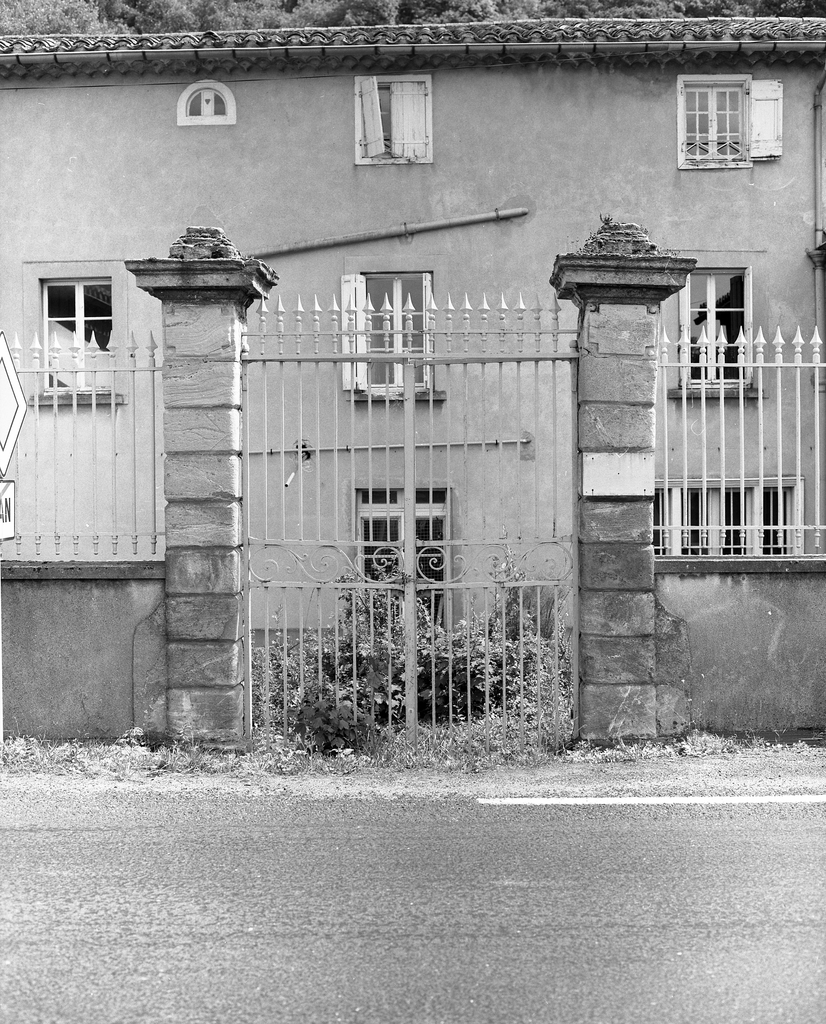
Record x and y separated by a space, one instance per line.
356 333
366 111
72 360
668 541
390 511
713 377
186 119
761 120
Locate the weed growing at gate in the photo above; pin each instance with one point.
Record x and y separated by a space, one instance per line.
336 685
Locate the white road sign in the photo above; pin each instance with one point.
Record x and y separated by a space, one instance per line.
12 405
6 509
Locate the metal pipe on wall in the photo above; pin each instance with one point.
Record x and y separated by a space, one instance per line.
400 231
817 256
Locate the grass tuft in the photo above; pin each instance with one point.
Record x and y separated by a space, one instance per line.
443 748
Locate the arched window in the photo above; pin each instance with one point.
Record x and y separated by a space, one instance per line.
206 103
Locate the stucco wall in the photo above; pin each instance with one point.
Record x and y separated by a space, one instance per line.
756 643
82 657
81 162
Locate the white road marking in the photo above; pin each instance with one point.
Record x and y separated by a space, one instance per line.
780 798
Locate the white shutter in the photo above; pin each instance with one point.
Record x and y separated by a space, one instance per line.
766 119
408 120
681 156
372 135
427 337
748 325
353 338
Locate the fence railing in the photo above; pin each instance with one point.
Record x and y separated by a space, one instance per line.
87 463
739 448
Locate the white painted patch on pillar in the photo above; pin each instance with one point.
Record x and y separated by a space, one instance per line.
618 474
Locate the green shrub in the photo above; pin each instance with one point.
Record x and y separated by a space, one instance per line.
502 662
324 727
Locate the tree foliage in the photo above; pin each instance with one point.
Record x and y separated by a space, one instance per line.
63 17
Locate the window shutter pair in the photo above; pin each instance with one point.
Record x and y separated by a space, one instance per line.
408 120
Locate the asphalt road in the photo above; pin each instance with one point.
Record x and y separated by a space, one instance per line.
128 903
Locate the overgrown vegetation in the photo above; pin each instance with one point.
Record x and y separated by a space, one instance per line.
334 687
43 17
442 749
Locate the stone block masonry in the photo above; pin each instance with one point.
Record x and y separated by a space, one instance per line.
206 287
618 280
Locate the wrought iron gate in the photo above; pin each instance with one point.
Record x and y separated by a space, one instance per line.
409 495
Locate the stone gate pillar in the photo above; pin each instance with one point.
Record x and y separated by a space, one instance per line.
206 287
617 280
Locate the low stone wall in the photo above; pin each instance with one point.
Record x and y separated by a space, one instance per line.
84 649
744 640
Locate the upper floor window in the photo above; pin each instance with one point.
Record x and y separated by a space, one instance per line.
393 120
206 103
388 313
718 302
728 120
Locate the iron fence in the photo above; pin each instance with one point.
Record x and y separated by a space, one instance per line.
739 449
409 517
87 463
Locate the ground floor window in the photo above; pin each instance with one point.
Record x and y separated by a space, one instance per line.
77 321
737 520
718 302
381 531
389 314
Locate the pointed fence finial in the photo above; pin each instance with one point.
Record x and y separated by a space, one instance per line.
16 349
665 346
759 345
797 345
741 344
37 351
778 344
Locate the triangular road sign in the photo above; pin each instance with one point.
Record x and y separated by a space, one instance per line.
12 405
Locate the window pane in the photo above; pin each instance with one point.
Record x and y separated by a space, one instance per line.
695 518
219 106
730 294
97 300
660 547
412 289
379 289
60 300
194 108
384 110
101 330
773 537
382 530
734 523
382 560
